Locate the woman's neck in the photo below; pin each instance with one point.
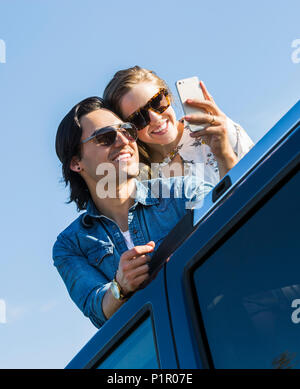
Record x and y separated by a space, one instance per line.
159 152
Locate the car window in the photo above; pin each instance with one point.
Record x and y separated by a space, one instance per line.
135 351
248 290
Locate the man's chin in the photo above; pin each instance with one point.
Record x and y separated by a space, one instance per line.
128 175
128 171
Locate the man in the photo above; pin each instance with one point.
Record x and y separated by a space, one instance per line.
103 255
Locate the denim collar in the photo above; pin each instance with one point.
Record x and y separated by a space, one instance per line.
143 196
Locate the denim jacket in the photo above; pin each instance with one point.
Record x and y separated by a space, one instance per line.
87 253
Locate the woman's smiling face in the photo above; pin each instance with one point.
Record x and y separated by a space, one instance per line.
162 128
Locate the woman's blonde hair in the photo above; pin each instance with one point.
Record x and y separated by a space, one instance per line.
121 83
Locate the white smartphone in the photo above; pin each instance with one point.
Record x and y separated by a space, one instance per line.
189 88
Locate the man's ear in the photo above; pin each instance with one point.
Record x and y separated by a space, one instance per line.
75 164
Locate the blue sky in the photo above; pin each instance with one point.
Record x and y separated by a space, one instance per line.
59 52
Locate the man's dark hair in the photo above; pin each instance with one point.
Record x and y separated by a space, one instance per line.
67 145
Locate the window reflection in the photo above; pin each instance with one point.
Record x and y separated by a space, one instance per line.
136 351
249 288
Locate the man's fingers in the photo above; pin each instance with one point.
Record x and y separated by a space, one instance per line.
134 283
137 251
139 280
135 263
137 272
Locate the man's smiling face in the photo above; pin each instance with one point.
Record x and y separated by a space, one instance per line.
122 155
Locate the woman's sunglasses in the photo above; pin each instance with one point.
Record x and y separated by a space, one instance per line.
158 103
107 136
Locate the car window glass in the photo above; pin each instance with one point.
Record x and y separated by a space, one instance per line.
248 290
136 351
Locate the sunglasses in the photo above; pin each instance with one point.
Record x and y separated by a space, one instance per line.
107 136
158 103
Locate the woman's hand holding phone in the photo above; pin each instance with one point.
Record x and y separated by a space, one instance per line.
216 134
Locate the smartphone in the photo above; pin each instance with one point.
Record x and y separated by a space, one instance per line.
189 88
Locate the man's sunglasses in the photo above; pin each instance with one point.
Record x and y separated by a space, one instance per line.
158 103
107 136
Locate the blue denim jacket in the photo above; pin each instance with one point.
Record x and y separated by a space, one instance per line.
87 253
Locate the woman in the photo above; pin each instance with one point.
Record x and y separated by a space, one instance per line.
138 95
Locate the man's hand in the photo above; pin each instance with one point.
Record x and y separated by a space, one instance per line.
133 267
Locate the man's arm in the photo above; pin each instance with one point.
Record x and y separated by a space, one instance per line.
89 288
85 284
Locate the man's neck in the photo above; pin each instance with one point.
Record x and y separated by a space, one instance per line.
116 208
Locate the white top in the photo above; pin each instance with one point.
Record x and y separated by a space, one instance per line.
128 239
199 157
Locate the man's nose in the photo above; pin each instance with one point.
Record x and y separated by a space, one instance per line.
121 139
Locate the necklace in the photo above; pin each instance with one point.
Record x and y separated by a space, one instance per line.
170 156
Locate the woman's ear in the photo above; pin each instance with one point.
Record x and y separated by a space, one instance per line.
75 164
